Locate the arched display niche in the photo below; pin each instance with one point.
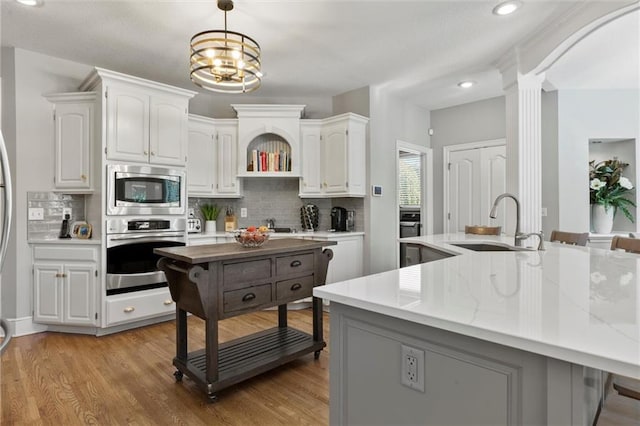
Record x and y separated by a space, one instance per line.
269 152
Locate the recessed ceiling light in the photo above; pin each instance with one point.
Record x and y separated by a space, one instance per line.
31 2
466 84
507 7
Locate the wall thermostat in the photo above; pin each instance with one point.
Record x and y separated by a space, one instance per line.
376 190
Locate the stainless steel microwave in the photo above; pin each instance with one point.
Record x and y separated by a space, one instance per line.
145 190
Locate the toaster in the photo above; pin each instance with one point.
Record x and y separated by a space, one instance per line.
194 225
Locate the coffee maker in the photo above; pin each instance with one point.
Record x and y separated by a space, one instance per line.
339 219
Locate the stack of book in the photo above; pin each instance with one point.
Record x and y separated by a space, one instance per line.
270 159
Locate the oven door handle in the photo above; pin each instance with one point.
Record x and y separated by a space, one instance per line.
146 236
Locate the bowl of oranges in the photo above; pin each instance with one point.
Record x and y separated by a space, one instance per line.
252 237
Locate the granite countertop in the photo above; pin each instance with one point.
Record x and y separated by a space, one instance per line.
576 304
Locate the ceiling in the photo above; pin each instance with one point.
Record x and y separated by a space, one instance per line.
419 50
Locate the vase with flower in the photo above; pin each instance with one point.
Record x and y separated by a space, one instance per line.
608 192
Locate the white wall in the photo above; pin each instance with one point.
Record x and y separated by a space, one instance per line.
391 119
472 122
29 133
549 153
584 115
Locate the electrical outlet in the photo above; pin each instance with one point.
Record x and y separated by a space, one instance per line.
36 213
243 212
412 369
66 211
543 212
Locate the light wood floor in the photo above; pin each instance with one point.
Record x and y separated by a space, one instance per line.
127 378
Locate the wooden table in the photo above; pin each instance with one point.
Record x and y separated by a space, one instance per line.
220 281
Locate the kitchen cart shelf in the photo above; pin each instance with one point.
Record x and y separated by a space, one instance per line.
249 356
219 281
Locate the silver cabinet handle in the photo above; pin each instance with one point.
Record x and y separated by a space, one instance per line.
168 302
129 309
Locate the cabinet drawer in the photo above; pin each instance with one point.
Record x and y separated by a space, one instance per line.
237 275
246 298
56 252
296 264
297 288
131 308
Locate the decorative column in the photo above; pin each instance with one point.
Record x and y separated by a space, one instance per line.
524 147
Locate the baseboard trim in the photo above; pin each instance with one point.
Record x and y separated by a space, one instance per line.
25 326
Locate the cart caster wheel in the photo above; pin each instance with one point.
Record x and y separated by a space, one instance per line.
212 398
178 375
316 354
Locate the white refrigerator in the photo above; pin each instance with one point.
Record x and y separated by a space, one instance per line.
5 226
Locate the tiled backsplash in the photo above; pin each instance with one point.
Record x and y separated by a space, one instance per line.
52 204
264 198
277 198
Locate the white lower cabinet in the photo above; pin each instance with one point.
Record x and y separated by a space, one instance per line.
64 285
347 262
124 308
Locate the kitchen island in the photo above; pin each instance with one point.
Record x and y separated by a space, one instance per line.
500 337
219 281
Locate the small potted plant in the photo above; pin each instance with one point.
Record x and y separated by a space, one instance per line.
210 214
608 191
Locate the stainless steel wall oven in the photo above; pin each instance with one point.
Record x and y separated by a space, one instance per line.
131 263
145 190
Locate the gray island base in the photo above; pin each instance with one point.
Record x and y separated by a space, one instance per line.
467 381
220 281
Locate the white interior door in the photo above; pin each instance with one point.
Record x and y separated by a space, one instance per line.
475 177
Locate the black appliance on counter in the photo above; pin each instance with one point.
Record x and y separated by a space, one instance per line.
339 219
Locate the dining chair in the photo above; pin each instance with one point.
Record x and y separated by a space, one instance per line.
571 238
630 245
624 385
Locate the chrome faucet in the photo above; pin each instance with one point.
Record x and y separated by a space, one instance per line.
519 237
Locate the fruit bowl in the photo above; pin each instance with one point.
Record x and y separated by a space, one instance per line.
251 239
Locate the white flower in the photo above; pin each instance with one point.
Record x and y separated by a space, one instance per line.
597 277
625 183
596 184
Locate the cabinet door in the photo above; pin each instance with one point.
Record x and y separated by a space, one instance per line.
202 158
334 159
47 293
127 124
356 159
227 138
73 135
311 181
347 262
168 122
79 306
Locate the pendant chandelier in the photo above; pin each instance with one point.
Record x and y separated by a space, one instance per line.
225 61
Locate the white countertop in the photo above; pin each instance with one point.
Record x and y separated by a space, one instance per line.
78 241
577 304
315 234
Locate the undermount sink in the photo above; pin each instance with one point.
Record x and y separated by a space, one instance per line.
280 230
486 247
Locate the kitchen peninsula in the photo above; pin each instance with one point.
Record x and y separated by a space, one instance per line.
500 337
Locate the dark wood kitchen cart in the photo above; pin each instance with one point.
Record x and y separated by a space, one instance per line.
219 281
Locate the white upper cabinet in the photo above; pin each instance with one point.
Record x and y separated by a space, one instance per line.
144 121
168 130
74 121
340 157
311 179
212 158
